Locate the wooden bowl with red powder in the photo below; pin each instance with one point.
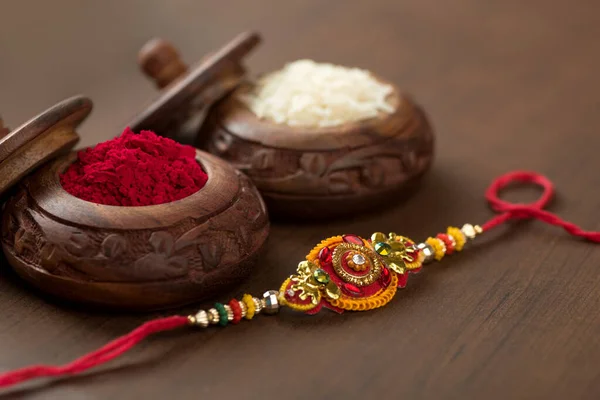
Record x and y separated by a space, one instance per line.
134 257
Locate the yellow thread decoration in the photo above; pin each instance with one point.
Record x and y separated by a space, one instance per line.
282 300
314 253
437 246
418 263
250 306
458 236
298 307
379 299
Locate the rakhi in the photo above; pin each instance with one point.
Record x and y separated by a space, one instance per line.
342 273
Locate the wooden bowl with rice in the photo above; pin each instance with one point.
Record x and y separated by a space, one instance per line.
317 140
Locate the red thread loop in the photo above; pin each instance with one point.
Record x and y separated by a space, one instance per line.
532 210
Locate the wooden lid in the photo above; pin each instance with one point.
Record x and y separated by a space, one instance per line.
185 92
43 138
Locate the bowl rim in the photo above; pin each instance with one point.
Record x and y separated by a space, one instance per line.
232 115
217 195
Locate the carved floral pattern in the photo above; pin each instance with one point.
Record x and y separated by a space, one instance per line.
113 246
344 171
188 248
162 255
24 240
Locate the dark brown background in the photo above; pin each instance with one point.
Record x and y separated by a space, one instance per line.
508 85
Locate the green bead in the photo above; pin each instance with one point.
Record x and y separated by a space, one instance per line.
222 314
382 248
321 276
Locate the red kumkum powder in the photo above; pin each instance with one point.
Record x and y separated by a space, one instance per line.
135 170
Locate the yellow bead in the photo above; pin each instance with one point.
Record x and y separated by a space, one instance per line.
250 306
438 247
458 236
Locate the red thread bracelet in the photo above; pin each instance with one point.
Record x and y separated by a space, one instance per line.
506 210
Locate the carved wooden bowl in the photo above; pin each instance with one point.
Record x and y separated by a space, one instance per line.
137 258
323 172
301 173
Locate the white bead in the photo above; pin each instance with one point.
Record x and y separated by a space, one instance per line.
201 318
471 231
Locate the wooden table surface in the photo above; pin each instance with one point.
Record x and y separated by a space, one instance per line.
508 85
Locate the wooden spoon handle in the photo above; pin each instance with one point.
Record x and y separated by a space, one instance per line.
185 93
161 62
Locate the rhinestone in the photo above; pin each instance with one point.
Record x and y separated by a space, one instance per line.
382 248
244 308
352 290
428 252
321 276
353 239
358 259
290 293
271 302
325 255
201 318
332 291
384 279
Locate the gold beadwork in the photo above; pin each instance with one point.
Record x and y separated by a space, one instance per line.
213 316
402 255
370 257
304 282
438 247
458 236
243 308
257 305
380 299
298 307
229 312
